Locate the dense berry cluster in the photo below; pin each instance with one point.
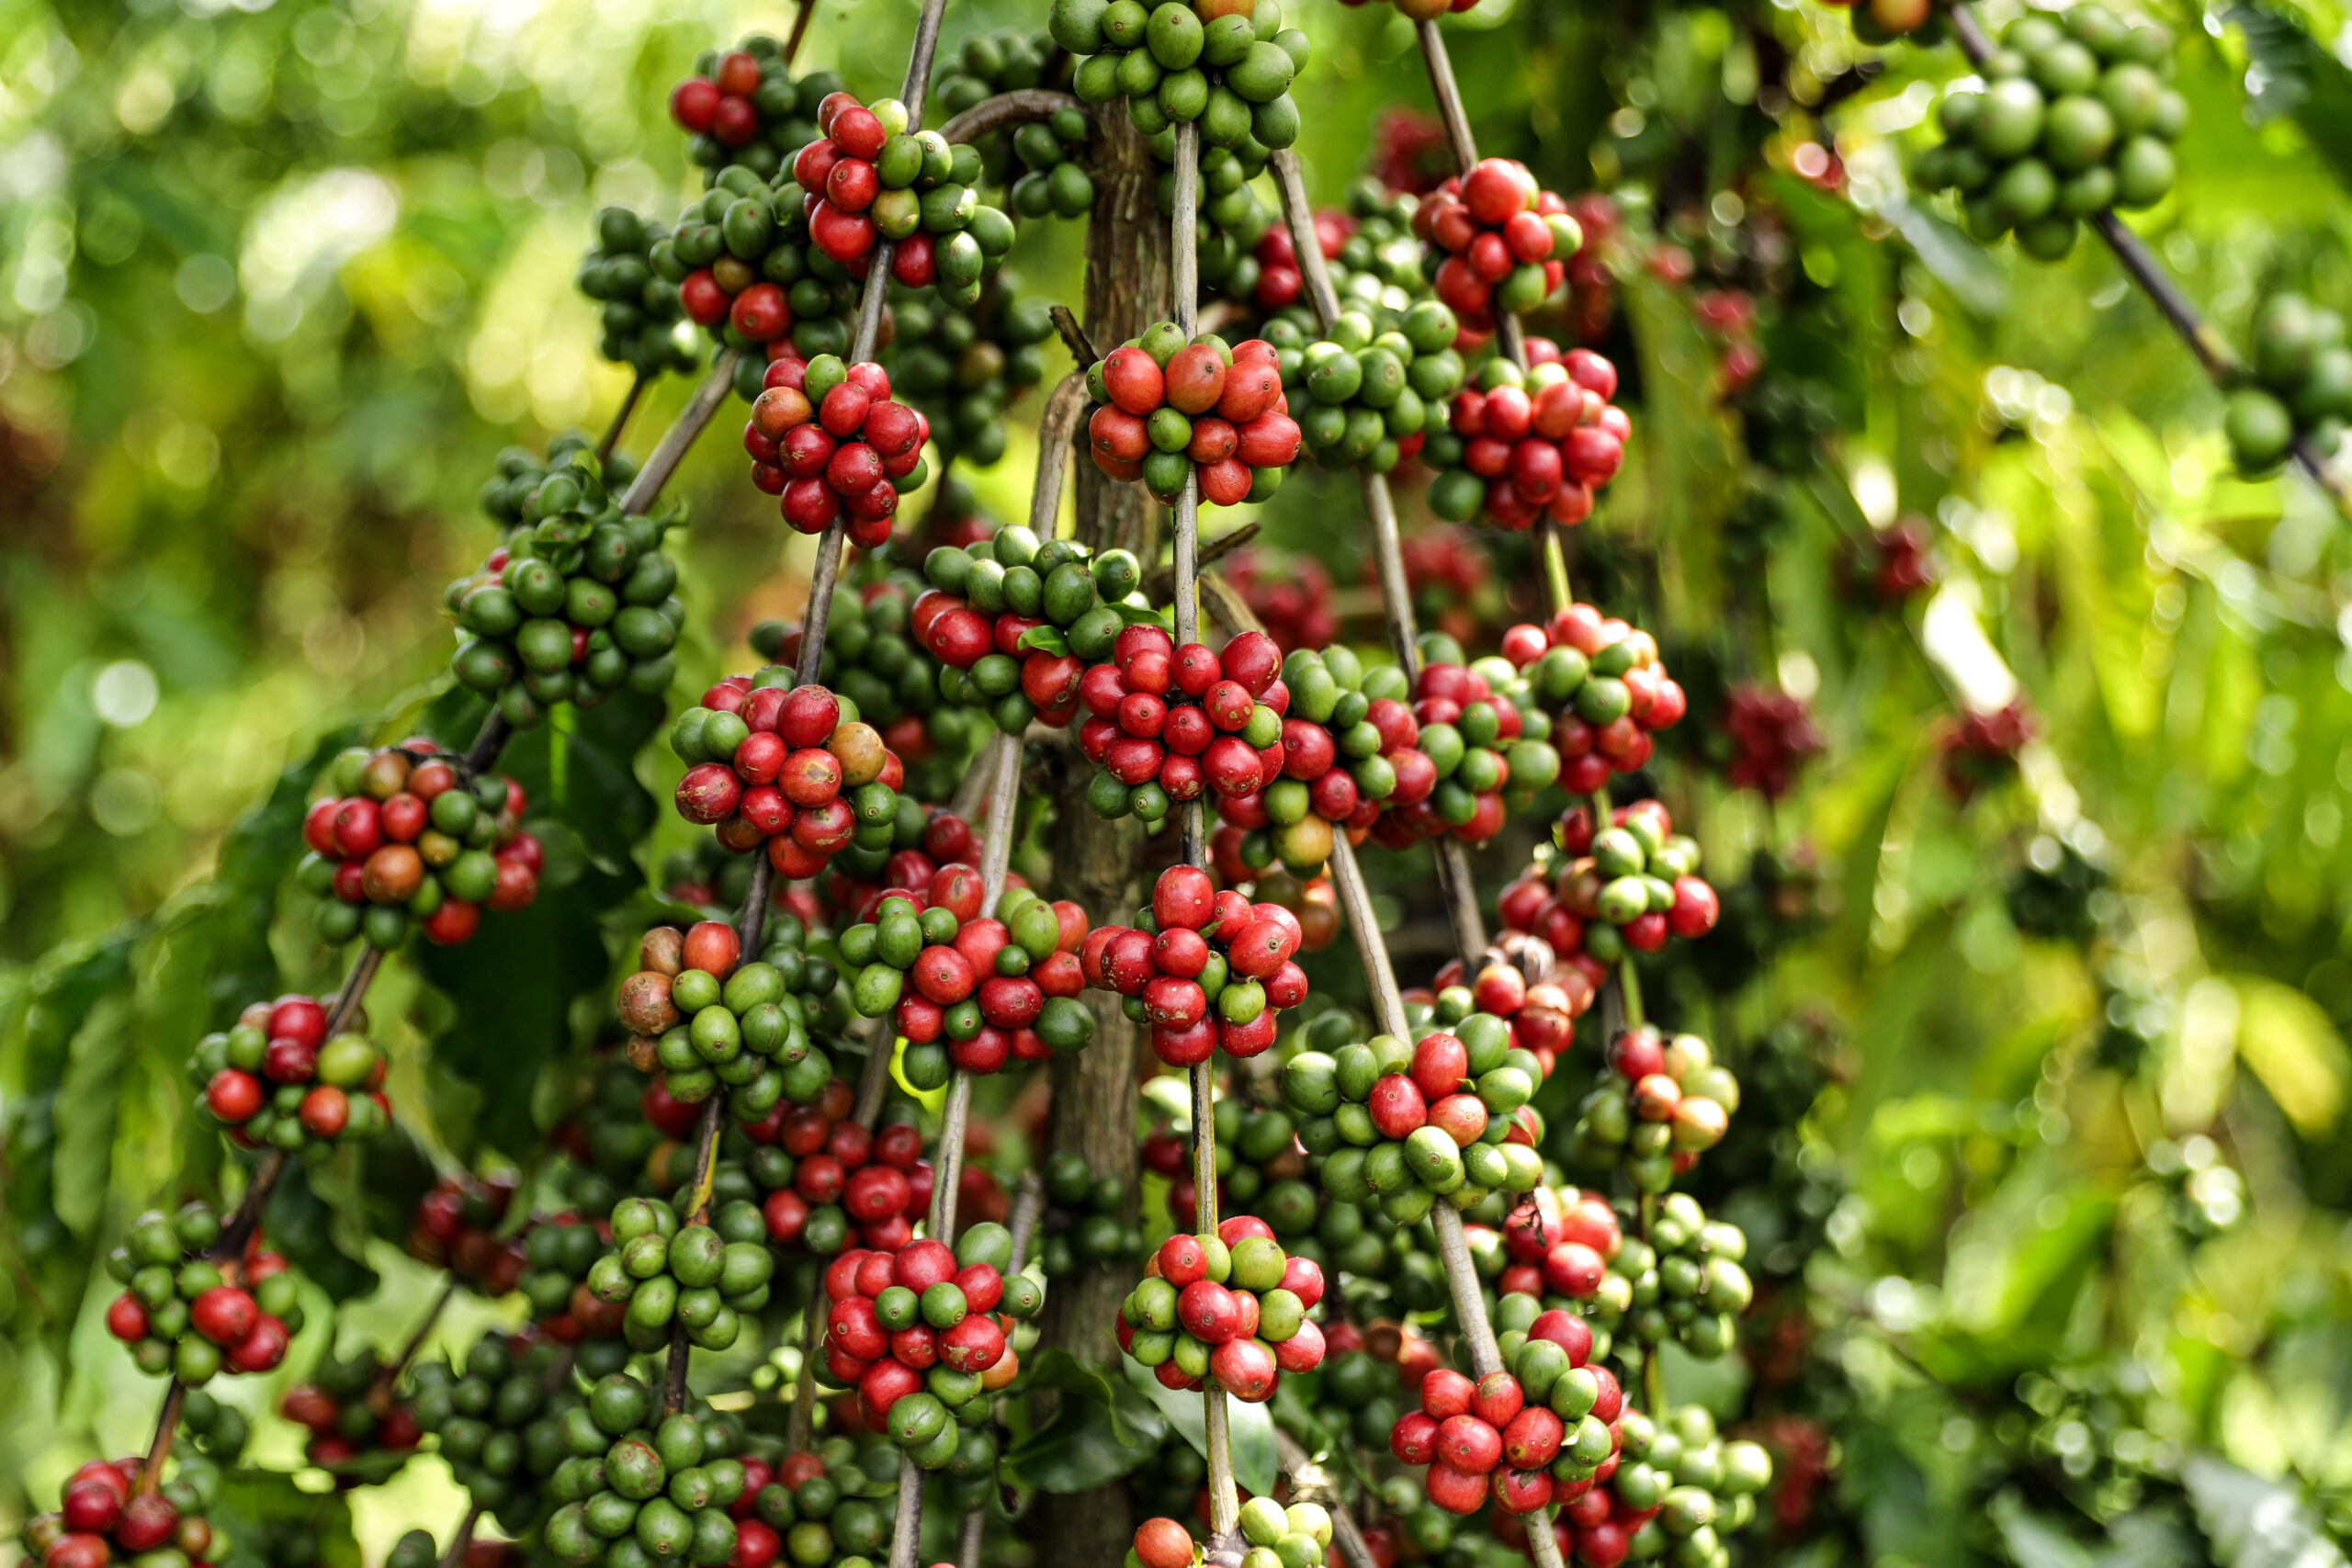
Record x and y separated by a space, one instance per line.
637 310
791 768
187 1314
1981 750
832 1182
868 178
559 1253
1175 61
1486 745
349 1407
1373 400
965 367
1522 984
748 267
917 1333
1663 1103
403 834
277 1079
1410 1125
714 1019
1683 1282
1290 597
703 1274
829 441
1207 969
1522 445
1521 1437
2073 118
634 1485
105 1515
1772 735
743 108
1499 243
1084 1220
1631 885
1018 619
968 992
1170 409
1348 741
874 661
1607 683
1675 1492
1169 724
1558 1245
816 1509
2301 384
1229 1309
575 605
459 1226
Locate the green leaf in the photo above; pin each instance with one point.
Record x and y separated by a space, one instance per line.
2292 1047
1250 1427
1101 1429
1958 262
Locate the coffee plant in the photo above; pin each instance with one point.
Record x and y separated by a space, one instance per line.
1921 1171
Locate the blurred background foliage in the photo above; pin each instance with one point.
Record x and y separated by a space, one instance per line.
2053 1182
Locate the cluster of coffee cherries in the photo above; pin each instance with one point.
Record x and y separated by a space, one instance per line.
1350 746
872 659
1499 241
638 311
1233 221
815 1509
967 365
829 441
1524 445
2300 385
187 1314
1677 1489
457 1226
1558 1245
1168 724
1274 1536
742 106
1261 1168
1487 741
741 259
1899 560
1664 1103
1207 969
1520 988
1170 409
1053 181
278 1081
1290 597
969 993
1685 1282
1980 748
706 1275
792 768
1405 1125
635 1485
2073 118
349 1407
1520 1436
832 1182
1631 885
1017 620
920 1334
575 605
1772 735
1174 63
868 177
559 1252
403 834
105 1515
1607 683
1229 1309
1372 399
716 1019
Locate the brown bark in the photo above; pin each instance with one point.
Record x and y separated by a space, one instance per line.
1097 864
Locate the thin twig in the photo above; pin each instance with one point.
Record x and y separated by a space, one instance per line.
612 436
800 20
1160 581
463 1539
651 481
1074 338
1057 440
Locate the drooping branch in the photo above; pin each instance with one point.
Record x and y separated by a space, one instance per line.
1023 106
